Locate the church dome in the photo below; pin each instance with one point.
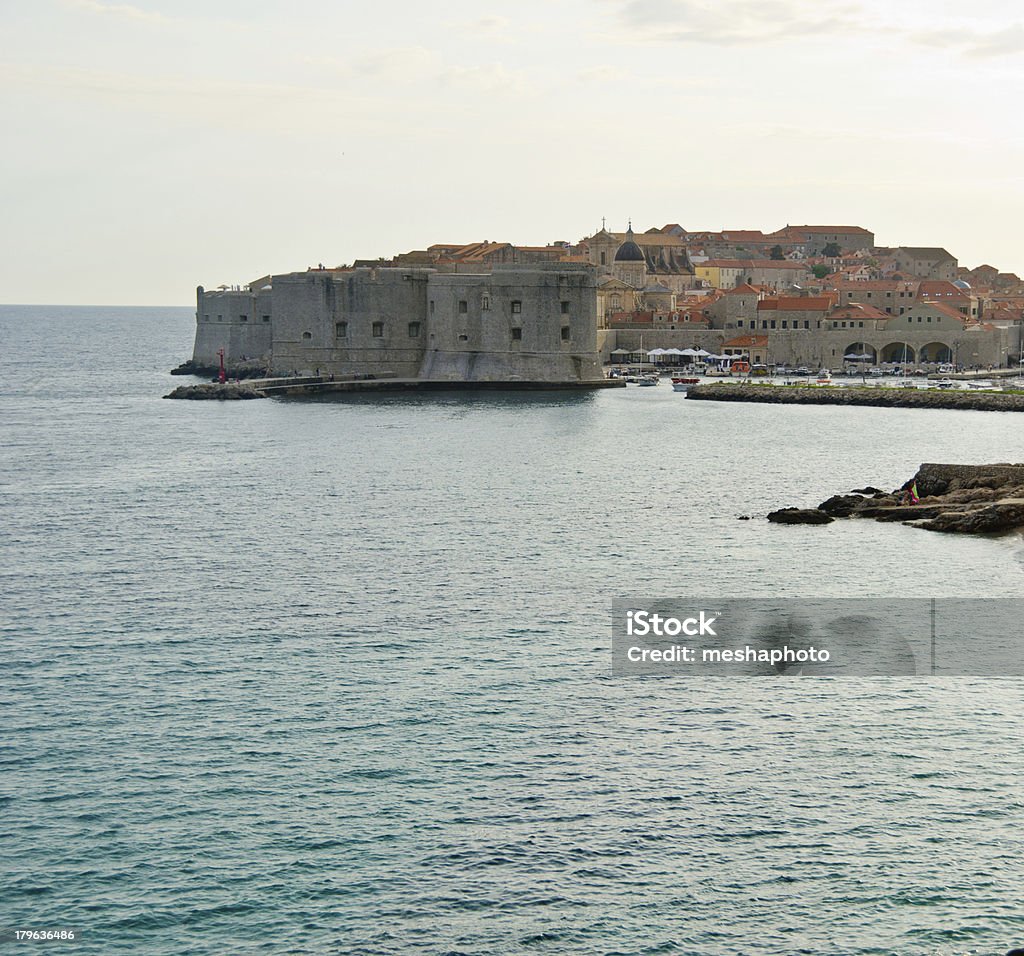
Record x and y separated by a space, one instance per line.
629 251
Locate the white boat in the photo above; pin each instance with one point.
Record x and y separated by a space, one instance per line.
824 377
943 383
648 379
682 384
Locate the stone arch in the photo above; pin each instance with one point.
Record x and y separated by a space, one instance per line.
862 348
899 352
937 352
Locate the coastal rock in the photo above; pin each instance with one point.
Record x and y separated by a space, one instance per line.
841 506
961 499
800 516
987 520
869 490
251 368
229 391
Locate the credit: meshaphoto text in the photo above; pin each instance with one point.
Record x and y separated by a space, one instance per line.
680 654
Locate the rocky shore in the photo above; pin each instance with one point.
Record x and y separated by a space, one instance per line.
853 395
964 499
229 391
240 370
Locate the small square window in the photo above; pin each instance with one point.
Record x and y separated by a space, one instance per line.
463 306
341 330
243 318
566 333
565 307
414 330
266 318
517 307
517 335
378 330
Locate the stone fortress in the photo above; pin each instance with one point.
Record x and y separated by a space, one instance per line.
533 324
493 312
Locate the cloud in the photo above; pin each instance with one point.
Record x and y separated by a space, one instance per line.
737 22
123 10
975 44
418 67
492 24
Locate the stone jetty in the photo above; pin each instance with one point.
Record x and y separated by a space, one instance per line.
976 400
964 499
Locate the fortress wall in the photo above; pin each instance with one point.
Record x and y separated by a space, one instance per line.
507 325
369 321
237 321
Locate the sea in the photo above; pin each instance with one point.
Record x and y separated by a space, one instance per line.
334 676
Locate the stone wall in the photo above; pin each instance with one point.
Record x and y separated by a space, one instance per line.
237 321
513 324
368 321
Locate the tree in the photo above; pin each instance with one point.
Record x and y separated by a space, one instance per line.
832 250
776 252
820 271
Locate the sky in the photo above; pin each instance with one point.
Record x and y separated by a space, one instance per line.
154 146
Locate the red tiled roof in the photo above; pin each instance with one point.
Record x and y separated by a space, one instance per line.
857 310
797 303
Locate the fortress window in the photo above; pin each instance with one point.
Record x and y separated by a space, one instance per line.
414 330
463 306
307 335
517 307
566 333
431 306
243 318
485 305
341 330
785 324
517 334
220 318
378 330
807 323
266 318
739 323
565 307
206 317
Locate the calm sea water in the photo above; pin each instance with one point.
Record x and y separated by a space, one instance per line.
333 677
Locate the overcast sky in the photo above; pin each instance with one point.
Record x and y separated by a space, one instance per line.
155 145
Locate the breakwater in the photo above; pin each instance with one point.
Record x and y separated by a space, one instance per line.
852 395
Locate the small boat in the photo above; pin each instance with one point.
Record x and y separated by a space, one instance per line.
824 377
943 383
682 384
648 380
